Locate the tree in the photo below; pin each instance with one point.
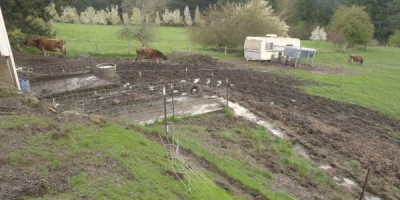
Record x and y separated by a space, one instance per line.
384 14
101 17
69 15
146 6
394 40
187 17
51 9
197 17
157 19
354 23
18 15
177 19
136 17
192 4
113 17
143 33
318 34
228 25
88 16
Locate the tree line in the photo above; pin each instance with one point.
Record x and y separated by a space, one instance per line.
301 16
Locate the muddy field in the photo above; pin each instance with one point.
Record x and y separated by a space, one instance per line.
332 133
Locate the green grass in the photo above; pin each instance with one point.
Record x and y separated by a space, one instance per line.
233 166
23 120
263 140
372 85
228 113
115 163
82 39
252 177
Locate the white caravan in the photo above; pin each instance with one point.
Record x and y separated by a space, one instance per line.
270 46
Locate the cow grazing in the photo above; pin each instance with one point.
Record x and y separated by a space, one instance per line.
356 58
149 53
48 44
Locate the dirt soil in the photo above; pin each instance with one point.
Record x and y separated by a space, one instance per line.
333 133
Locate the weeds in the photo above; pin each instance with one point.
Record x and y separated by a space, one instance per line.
17 158
228 112
355 164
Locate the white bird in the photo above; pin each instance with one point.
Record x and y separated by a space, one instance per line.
196 80
183 81
219 83
208 81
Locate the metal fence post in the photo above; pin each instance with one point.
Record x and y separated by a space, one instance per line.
165 111
212 79
98 98
173 104
97 50
140 77
66 86
187 78
365 184
227 93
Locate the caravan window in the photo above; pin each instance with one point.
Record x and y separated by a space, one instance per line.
252 44
269 46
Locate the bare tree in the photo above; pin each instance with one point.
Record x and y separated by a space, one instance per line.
144 33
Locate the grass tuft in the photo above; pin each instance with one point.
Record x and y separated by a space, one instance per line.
355 164
228 112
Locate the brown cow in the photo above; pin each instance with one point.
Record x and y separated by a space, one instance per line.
149 53
356 58
49 44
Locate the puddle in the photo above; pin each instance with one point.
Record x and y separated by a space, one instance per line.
301 150
345 182
349 182
69 84
184 105
325 167
245 113
372 198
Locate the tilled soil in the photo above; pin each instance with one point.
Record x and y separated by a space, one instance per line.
333 132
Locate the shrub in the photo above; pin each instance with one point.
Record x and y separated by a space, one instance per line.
394 40
373 43
37 26
17 39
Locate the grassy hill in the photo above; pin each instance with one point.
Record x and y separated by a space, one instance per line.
45 155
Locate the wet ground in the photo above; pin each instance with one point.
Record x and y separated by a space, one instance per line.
331 133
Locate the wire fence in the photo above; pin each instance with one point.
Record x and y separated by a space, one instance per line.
132 94
140 96
101 46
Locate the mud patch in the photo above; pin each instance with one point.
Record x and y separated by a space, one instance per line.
326 70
